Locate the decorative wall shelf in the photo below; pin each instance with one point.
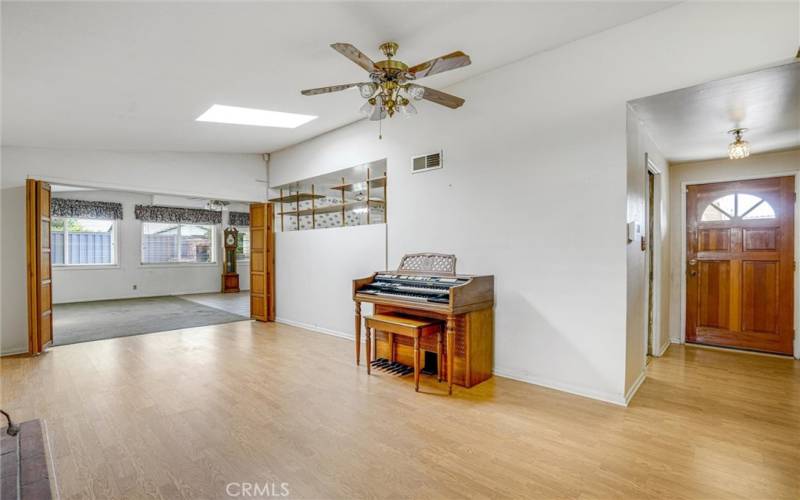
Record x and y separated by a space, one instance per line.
297 197
331 209
353 196
377 182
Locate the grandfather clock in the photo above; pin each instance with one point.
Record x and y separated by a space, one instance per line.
230 278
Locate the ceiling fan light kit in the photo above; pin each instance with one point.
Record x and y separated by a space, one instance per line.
391 88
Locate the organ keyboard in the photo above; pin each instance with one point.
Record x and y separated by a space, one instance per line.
407 287
463 303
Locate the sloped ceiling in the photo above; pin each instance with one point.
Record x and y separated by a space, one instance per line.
134 76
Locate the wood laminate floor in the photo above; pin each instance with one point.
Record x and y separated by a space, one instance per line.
182 414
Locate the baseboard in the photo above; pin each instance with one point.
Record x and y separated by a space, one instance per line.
607 397
315 328
14 352
635 387
664 348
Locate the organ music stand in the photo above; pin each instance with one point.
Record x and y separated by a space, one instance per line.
429 263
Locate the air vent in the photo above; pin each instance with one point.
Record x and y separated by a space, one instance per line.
426 162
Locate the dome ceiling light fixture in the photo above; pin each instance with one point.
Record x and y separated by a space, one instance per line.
739 148
391 88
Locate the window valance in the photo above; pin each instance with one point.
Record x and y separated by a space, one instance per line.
239 219
177 215
85 209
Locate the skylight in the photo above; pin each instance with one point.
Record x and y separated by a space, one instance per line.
235 115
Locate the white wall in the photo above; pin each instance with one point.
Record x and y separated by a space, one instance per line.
218 176
681 174
533 188
641 145
315 270
77 284
13 265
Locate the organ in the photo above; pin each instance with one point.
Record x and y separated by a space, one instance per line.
425 285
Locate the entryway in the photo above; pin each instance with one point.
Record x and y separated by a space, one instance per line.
740 264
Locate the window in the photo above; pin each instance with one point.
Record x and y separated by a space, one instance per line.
243 244
738 206
177 243
83 242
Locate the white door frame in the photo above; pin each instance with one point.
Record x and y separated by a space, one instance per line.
655 248
684 186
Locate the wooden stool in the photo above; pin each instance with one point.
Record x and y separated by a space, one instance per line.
412 327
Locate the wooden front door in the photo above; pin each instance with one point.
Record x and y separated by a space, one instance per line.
262 262
740 264
40 296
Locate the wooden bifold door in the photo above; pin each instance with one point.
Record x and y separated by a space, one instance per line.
262 262
740 264
40 293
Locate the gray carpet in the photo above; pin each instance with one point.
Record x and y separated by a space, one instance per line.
105 319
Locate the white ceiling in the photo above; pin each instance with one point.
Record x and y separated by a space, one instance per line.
692 123
134 76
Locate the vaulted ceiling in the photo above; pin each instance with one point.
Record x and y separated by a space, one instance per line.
134 76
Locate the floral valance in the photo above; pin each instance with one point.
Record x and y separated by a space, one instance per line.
85 209
238 218
177 215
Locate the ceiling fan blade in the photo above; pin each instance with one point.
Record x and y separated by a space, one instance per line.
354 55
327 90
442 98
441 64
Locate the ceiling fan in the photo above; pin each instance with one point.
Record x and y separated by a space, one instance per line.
391 79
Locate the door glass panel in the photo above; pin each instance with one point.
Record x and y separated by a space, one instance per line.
746 202
743 205
727 204
712 214
763 211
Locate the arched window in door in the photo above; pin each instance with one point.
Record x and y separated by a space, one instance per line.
738 206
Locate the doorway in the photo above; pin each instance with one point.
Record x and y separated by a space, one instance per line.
740 264
109 263
652 246
651 177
